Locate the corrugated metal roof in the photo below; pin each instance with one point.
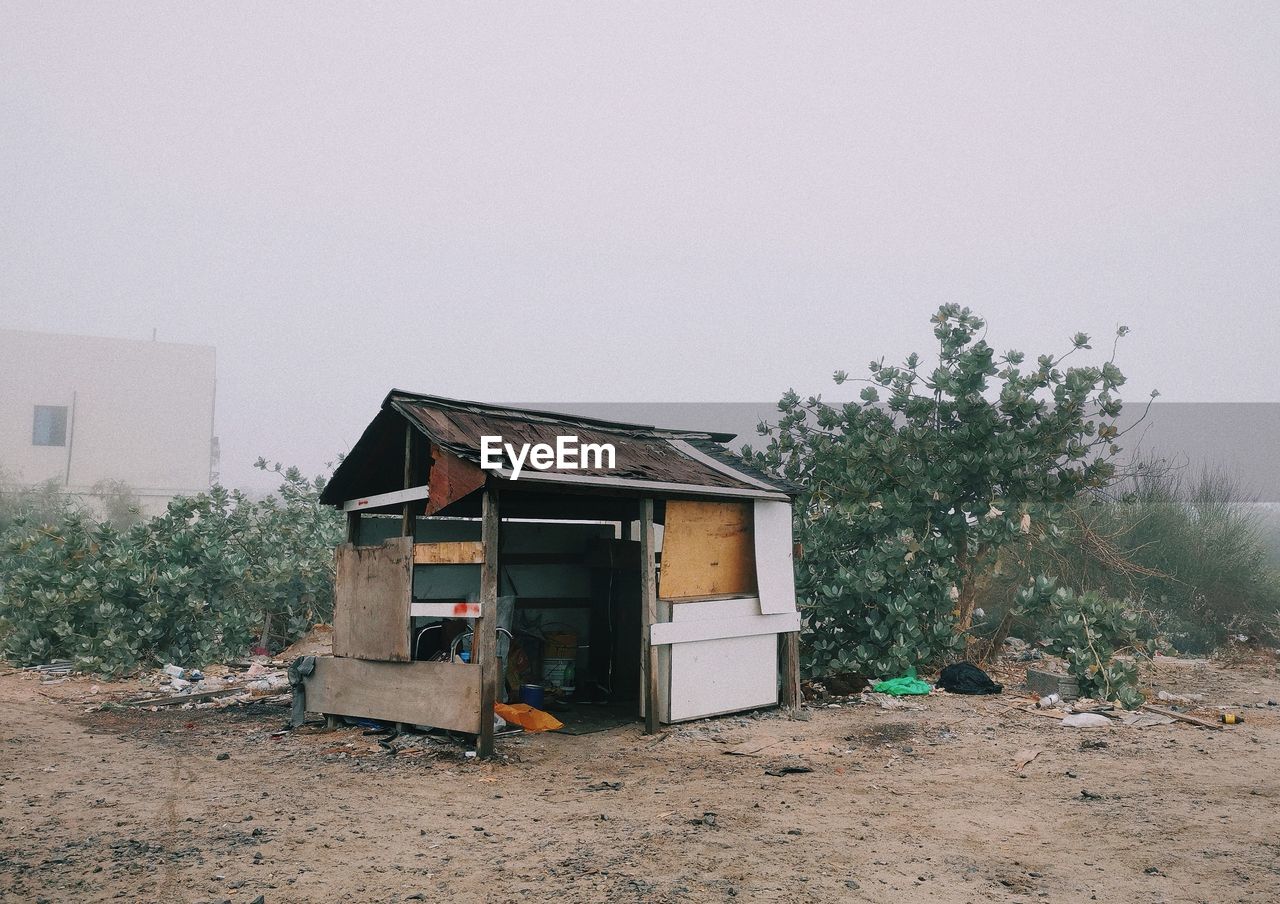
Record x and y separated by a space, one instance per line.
646 456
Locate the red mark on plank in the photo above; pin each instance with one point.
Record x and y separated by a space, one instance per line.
465 608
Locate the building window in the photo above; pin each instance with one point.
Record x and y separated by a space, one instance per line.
50 428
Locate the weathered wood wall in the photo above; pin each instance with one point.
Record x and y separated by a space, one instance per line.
440 694
372 593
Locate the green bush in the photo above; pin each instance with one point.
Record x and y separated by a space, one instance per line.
192 585
906 502
1191 551
1088 630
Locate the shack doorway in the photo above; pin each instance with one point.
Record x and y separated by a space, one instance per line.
569 613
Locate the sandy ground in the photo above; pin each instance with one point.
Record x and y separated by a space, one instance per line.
901 806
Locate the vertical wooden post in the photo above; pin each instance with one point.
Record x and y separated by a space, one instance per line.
649 617
484 640
353 528
789 664
406 519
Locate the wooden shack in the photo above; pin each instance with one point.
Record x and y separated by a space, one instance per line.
660 583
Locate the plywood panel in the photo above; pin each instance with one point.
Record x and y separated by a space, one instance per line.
707 550
775 551
464 552
372 590
440 694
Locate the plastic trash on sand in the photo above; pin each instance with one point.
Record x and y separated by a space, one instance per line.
1085 720
527 717
906 685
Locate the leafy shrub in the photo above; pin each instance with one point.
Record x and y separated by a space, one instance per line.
1088 630
905 502
192 585
1191 550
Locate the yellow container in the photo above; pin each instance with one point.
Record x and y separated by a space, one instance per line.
561 645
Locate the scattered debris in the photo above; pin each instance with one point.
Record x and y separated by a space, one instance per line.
749 748
1023 758
316 642
788 770
1138 719
1182 717
1044 682
904 685
967 678
884 701
1166 697
604 786
257 683
1085 720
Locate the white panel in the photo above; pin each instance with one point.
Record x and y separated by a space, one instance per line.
729 607
710 677
775 566
355 505
722 628
444 610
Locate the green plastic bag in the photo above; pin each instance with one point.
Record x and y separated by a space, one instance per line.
904 686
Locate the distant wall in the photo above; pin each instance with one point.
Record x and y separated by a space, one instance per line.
135 411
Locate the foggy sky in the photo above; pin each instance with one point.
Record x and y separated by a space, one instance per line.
644 202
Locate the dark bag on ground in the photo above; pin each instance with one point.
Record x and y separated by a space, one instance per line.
967 678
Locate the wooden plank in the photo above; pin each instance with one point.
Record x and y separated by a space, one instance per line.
180 699
373 587
708 550
789 664
721 628
373 502
485 638
649 610
406 514
445 610
440 694
458 552
1182 717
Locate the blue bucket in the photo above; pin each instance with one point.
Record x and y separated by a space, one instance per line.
532 695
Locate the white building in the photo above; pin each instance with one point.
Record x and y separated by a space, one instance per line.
80 410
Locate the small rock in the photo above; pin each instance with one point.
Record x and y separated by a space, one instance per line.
223 756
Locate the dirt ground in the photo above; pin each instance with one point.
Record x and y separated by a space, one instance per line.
901 805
